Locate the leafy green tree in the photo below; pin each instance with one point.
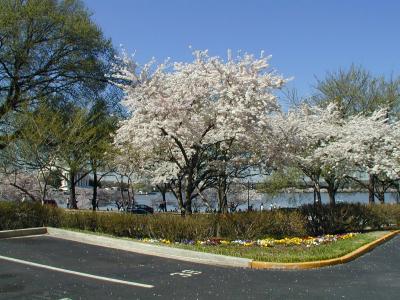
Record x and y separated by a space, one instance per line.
281 179
58 138
74 138
48 47
34 153
356 91
102 152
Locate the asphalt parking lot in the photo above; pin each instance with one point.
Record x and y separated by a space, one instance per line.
45 267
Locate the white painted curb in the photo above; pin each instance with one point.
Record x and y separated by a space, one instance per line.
142 248
22 232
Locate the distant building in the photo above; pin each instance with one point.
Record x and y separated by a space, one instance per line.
84 182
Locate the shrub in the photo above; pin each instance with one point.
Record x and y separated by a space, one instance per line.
384 216
255 225
344 217
165 226
306 220
196 227
23 215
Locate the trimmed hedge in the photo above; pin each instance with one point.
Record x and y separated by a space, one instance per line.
306 220
255 225
323 219
27 214
195 227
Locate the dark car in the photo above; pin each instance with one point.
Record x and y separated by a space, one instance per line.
141 209
50 202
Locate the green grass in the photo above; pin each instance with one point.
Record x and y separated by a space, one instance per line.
287 254
278 253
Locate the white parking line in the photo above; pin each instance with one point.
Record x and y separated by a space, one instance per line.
32 264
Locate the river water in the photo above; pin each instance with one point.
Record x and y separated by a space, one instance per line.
292 199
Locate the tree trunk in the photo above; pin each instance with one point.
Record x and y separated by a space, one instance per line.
131 192
128 203
188 207
317 192
224 208
178 195
118 204
381 197
95 184
222 198
132 200
164 199
72 197
188 193
121 188
162 188
332 189
188 200
44 190
331 195
371 189
181 205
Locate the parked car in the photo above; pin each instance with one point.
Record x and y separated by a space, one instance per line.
141 209
50 202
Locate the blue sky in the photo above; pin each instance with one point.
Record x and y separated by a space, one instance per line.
305 38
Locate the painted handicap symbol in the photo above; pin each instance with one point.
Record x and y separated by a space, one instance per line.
186 273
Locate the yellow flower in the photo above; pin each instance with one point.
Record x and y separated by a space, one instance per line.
281 241
266 243
347 236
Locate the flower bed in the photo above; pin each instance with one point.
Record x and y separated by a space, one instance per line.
268 242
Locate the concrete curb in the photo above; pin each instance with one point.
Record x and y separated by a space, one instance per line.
324 263
22 232
142 248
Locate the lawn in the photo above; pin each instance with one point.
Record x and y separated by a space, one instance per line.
295 253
